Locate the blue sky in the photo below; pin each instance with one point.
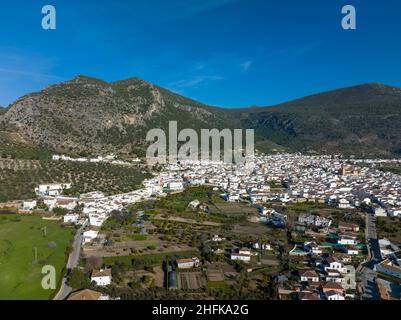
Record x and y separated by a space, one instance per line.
230 53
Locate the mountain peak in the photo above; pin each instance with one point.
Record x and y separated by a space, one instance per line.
132 81
85 79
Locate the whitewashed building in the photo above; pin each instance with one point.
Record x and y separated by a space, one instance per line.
71 218
188 263
102 277
89 235
52 189
29 205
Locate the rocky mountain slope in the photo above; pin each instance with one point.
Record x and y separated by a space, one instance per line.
87 115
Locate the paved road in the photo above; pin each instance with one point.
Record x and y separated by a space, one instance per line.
72 263
368 275
73 259
371 235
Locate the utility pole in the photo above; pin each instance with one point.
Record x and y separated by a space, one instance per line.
36 254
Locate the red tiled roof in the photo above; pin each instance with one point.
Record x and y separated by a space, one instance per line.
101 273
309 274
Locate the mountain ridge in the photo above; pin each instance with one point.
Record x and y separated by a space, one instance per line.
358 120
90 115
368 85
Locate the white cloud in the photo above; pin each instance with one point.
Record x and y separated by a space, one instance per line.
246 65
195 81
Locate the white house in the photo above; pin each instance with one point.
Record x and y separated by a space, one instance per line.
241 257
29 205
309 276
96 219
333 295
352 251
233 197
66 203
333 264
347 240
52 189
379 211
245 251
386 247
102 277
344 204
188 263
243 254
71 218
175 185
90 235
333 275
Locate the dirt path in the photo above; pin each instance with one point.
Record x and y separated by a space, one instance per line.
190 221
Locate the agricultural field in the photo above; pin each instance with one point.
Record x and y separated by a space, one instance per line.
191 280
18 178
219 211
171 224
20 273
142 237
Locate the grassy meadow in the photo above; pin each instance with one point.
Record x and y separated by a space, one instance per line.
20 274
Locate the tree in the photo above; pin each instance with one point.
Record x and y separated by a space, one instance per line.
93 263
78 279
41 205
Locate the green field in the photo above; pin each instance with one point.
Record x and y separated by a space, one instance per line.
20 275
